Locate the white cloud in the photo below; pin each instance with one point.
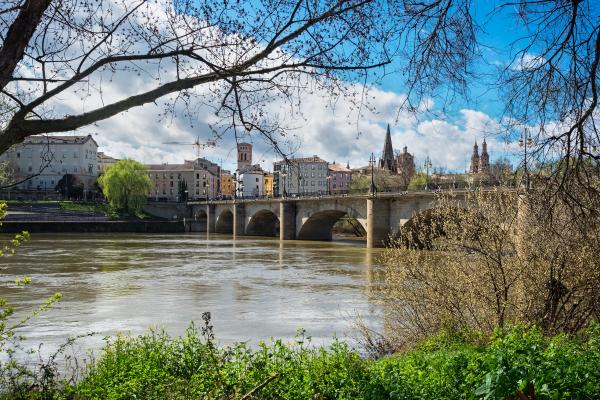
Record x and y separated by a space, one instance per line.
334 132
342 128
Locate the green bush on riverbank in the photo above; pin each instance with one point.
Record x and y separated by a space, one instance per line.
447 366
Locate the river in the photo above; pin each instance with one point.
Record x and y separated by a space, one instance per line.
255 288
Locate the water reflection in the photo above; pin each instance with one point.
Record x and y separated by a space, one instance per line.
255 288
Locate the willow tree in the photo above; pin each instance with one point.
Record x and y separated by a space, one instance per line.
126 185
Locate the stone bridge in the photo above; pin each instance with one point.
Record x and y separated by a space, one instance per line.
310 218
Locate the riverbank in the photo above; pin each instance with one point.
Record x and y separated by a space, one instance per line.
63 217
94 226
456 365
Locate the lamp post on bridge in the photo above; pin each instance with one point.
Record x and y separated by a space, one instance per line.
284 175
427 165
372 188
525 141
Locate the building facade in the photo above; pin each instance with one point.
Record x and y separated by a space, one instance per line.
46 159
268 182
339 178
301 176
201 179
250 182
227 185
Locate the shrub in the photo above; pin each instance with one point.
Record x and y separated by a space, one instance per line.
488 260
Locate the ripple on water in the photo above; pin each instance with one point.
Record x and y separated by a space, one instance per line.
255 288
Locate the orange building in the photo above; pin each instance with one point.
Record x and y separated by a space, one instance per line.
227 187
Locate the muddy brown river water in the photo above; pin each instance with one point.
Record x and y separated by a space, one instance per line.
255 288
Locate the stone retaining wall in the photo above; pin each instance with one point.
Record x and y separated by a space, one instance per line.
93 226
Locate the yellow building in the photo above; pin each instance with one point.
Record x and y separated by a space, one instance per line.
268 184
226 183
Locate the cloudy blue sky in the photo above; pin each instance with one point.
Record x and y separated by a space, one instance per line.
445 131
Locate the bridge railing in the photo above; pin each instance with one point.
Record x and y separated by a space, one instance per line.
389 191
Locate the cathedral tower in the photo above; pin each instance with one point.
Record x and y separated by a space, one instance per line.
387 160
474 160
484 159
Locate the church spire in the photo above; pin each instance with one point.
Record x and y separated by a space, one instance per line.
387 160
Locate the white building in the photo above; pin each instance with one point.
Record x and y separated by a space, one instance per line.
250 182
301 176
46 159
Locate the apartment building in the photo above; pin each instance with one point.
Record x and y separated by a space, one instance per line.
301 176
201 179
339 178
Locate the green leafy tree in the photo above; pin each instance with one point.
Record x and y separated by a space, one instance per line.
126 185
418 181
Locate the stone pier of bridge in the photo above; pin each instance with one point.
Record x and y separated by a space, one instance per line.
310 218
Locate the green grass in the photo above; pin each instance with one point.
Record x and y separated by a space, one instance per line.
104 208
87 207
448 366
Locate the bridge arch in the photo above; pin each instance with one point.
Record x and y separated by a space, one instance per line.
224 223
263 223
319 225
200 220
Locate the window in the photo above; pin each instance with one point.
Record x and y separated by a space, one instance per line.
170 191
197 191
171 183
257 180
30 168
197 177
18 154
75 169
312 183
75 154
